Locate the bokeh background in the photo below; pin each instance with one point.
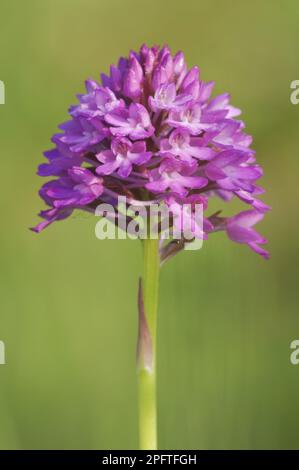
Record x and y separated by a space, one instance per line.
68 301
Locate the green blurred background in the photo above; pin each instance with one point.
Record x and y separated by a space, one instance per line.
68 301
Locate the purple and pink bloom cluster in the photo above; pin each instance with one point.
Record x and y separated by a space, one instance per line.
151 131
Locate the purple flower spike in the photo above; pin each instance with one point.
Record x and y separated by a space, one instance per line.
151 130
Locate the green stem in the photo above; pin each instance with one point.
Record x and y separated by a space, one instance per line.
147 346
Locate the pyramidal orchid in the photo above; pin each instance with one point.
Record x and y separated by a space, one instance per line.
150 131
